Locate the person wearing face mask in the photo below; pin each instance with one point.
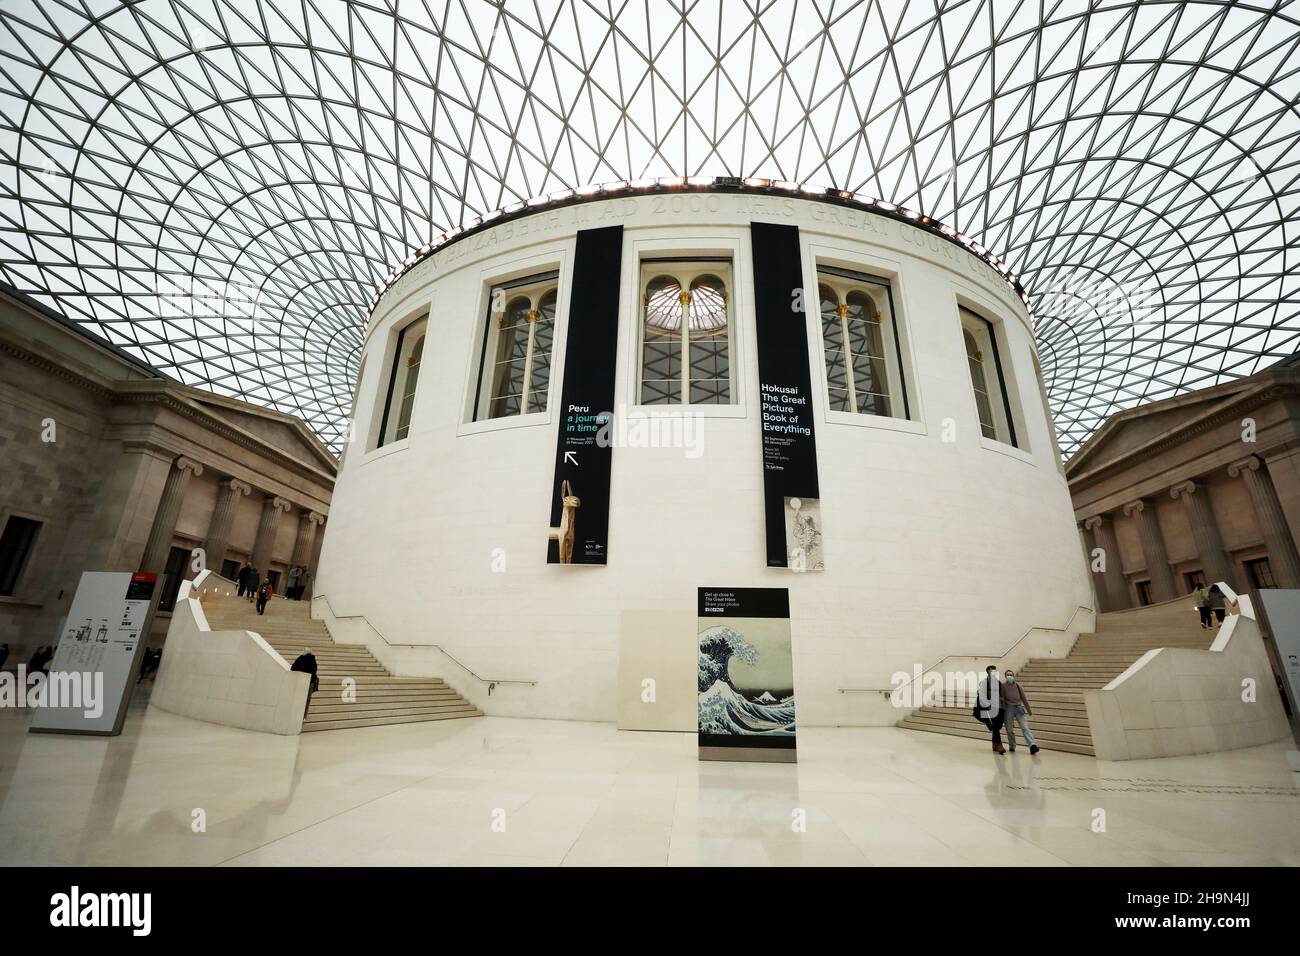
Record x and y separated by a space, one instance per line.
989 707
1017 709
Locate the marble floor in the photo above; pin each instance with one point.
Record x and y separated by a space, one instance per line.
503 791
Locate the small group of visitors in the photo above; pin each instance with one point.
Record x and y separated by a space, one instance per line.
248 578
1003 703
1210 602
299 579
258 590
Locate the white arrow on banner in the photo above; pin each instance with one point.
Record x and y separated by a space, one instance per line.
570 458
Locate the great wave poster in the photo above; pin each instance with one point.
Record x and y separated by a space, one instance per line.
746 675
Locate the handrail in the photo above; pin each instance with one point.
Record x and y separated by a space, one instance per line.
361 617
947 657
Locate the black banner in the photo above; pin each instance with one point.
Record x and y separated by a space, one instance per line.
791 499
579 531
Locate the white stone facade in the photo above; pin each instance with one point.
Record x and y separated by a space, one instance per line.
938 541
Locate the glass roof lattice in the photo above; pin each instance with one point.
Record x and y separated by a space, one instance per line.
219 187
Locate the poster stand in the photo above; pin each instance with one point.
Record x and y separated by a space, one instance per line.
103 637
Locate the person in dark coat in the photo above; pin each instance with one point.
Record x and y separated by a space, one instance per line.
306 664
990 708
241 578
264 595
40 661
253 577
1217 603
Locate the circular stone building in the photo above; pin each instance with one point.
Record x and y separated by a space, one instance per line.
575 414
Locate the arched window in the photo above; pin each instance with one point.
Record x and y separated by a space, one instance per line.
403 382
686 334
539 368
864 373
980 383
514 331
408 389
516 368
986 378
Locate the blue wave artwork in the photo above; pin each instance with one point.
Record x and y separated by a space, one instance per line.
724 708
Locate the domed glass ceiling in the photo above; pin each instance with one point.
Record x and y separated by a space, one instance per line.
219 187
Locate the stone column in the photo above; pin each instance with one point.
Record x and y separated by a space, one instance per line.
272 508
169 508
1205 530
1113 592
303 546
1153 550
1282 557
223 516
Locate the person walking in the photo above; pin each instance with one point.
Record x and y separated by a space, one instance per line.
1217 604
989 709
241 578
264 595
291 584
1202 598
1017 711
306 664
40 661
253 576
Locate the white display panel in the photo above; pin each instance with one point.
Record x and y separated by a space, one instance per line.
1282 612
98 653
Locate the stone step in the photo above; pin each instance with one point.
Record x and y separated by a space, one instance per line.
1074 724
376 721
387 680
977 732
337 709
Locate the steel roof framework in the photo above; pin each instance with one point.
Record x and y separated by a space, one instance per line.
220 186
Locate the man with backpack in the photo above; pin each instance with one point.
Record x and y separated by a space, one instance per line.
989 707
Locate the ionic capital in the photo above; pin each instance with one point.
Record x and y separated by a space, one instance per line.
1093 523
239 487
188 464
1134 507
1249 463
1183 489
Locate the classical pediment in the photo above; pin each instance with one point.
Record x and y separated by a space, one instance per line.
1135 427
277 430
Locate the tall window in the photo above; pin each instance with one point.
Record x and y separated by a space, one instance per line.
1261 573
686 333
864 368
403 381
16 544
992 401
515 373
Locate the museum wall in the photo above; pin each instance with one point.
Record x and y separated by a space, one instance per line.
932 546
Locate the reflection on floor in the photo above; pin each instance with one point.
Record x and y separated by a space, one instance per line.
579 793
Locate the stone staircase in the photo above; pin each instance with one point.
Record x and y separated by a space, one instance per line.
380 697
1055 686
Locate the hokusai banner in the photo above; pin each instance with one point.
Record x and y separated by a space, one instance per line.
791 498
579 529
746 675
